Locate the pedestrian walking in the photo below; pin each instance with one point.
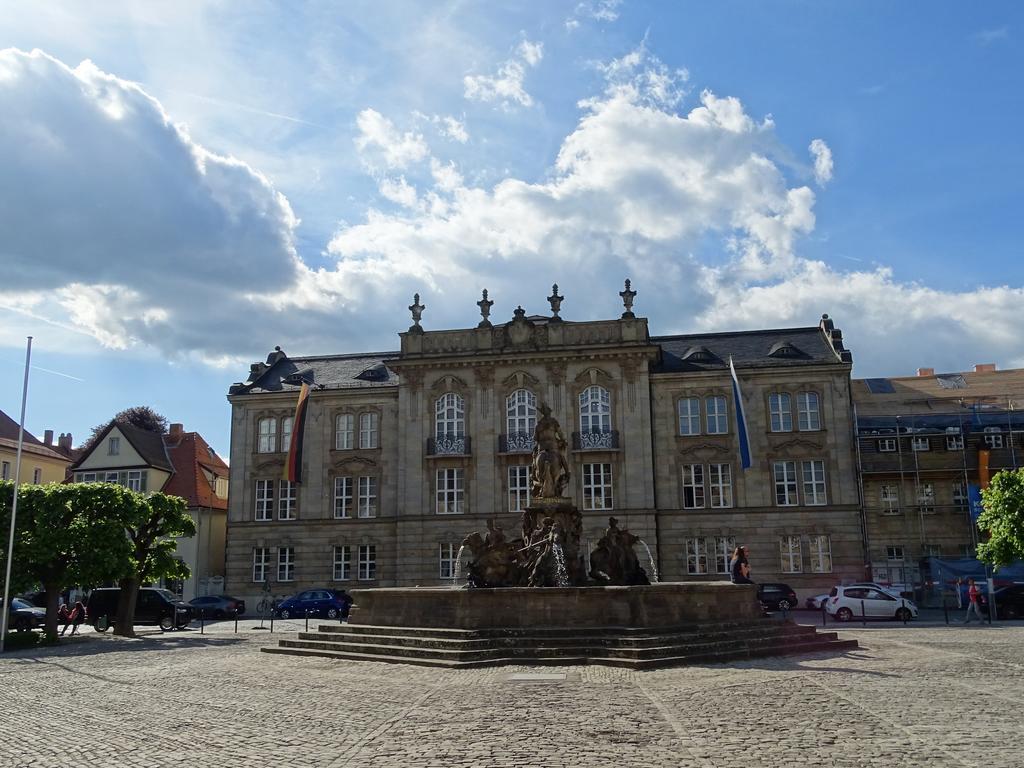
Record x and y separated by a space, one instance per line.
739 566
959 592
64 616
77 616
974 595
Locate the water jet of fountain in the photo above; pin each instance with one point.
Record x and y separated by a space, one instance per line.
457 567
654 567
561 570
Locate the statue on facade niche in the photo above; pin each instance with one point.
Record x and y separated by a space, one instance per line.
549 471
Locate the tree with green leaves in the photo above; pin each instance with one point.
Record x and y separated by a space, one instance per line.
1002 518
150 531
66 535
141 416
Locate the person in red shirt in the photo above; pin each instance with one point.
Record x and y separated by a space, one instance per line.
975 602
64 616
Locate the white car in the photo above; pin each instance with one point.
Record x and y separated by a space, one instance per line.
846 603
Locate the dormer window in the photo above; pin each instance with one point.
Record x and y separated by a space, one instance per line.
785 350
700 355
378 372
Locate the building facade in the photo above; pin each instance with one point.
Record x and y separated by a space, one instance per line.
406 452
922 442
42 461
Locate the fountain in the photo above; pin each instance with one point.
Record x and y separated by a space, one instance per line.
534 600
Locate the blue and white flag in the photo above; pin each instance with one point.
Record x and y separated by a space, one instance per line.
741 418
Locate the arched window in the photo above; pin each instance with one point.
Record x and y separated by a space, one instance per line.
521 412
450 416
595 410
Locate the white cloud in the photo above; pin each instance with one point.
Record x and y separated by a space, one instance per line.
989 36
399 191
454 129
506 86
598 10
822 161
380 141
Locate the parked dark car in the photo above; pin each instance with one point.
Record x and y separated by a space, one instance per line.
38 599
1010 602
217 606
777 597
154 606
25 616
326 603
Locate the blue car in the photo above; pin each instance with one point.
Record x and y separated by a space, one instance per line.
326 603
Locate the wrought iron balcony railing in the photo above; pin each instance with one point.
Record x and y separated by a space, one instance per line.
515 442
448 445
596 440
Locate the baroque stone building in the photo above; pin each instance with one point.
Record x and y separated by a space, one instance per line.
406 452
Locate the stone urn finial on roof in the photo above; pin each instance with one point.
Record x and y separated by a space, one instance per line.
556 302
417 312
485 305
627 301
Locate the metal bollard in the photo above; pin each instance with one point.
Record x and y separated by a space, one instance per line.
271 622
863 615
202 623
236 622
945 609
307 619
824 615
906 614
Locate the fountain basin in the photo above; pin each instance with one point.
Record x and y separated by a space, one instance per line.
651 606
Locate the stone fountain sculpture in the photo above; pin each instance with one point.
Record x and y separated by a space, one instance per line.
548 554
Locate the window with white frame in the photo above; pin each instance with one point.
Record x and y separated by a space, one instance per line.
814 482
287 500
790 554
367 562
894 553
450 416
286 433
780 412
993 437
135 480
286 564
887 445
689 415
344 432
785 483
960 494
926 498
260 561
343 492
367 496
264 500
113 446
85 477
720 483
518 487
723 547
954 442
889 496
696 555
112 477
369 430
342 562
820 548
37 475
920 444
450 491
597 486
693 486
595 410
808 412
267 439
447 553
521 412
716 415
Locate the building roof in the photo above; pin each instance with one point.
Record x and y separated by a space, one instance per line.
358 371
191 454
30 443
773 348
944 392
149 445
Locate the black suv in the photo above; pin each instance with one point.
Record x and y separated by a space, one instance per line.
153 606
777 597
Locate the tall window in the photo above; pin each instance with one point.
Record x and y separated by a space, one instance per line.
521 412
367 496
696 555
367 562
260 560
286 564
709 554
720 482
369 434
926 498
135 480
689 416
446 560
288 500
597 486
785 483
780 412
889 496
808 413
820 547
344 432
450 492
267 442
342 563
450 416
920 444
342 497
518 488
37 475
114 446
723 547
595 410
286 433
960 495
789 550
693 486
814 482
5 471
954 442
717 415
993 437
264 500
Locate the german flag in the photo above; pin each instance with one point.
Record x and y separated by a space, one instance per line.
293 467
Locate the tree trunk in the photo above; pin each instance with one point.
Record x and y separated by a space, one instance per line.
124 624
52 604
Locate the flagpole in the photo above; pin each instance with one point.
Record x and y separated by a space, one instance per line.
14 501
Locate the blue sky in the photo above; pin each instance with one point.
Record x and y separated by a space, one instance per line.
218 178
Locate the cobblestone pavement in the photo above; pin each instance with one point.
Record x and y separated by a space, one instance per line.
920 695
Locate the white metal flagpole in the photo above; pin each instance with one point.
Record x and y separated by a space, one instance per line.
14 502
